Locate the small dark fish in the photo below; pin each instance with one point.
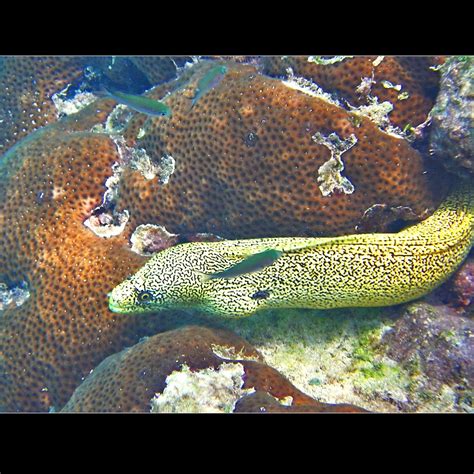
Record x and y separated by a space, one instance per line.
260 295
140 103
209 81
251 264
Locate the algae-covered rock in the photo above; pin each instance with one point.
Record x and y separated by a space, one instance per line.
438 345
452 138
349 356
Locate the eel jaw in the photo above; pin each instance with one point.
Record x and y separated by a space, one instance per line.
115 308
114 305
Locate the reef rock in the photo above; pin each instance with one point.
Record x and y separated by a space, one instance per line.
452 116
438 344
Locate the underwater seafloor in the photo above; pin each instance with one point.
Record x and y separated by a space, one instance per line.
225 148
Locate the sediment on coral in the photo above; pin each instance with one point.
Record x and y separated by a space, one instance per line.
357 356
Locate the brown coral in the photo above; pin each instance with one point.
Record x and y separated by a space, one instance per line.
263 402
346 78
64 329
245 160
26 87
246 165
129 380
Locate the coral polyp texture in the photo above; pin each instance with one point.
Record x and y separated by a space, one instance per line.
253 157
408 83
246 157
186 370
27 85
48 342
32 88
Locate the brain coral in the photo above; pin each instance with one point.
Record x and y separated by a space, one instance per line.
127 381
355 78
245 164
246 157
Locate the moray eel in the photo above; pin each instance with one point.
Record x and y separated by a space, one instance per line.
379 269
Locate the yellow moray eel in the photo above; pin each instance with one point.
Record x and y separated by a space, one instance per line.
354 270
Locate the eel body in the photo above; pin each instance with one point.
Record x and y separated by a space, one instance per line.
355 270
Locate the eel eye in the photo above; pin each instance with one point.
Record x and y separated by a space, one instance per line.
145 296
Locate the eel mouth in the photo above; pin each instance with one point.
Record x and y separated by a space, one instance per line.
114 305
116 308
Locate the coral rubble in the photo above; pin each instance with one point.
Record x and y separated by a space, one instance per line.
438 345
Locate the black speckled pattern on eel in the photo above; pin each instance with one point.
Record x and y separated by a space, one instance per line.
353 270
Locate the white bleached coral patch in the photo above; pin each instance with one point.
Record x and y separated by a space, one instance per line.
365 85
330 176
202 391
106 221
73 105
107 224
307 87
389 85
139 160
378 60
327 61
118 120
142 162
16 295
150 238
229 353
375 111
378 113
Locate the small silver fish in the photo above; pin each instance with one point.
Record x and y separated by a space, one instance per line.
140 103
